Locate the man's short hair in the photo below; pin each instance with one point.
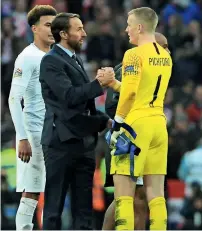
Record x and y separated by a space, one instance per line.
61 23
38 11
147 17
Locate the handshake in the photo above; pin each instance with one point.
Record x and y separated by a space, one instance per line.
106 76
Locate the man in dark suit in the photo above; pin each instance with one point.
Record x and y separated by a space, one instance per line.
71 125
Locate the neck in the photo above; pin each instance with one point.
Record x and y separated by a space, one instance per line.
42 46
65 45
146 38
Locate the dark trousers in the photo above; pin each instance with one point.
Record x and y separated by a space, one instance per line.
69 165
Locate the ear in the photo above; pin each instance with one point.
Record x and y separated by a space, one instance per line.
63 35
34 28
140 28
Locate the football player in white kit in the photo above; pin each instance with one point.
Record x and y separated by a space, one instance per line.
29 121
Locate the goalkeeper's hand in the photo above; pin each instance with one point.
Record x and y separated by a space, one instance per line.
106 76
115 131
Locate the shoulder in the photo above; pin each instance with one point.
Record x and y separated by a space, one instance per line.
132 55
29 56
50 56
25 54
131 51
25 60
135 51
143 49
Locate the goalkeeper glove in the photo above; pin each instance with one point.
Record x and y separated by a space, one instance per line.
115 131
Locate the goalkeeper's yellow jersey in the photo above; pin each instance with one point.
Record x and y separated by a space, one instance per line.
146 72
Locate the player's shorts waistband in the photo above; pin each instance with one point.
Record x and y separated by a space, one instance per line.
145 112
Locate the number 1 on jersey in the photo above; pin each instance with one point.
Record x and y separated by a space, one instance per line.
151 104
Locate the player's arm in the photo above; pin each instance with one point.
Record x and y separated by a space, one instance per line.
131 74
21 76
15 98
115 85
54 76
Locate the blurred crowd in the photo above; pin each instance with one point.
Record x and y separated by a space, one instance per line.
105 23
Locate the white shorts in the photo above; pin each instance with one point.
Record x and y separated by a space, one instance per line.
139 181
31 176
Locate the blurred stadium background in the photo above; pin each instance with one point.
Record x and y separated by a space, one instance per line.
105 22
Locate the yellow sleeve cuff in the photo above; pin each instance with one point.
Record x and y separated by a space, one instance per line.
118 119
115 85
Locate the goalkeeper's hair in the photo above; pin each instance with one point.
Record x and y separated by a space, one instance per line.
147 17
38 11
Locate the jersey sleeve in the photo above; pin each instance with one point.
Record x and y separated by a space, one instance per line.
116 86
24 67
21 76
131 75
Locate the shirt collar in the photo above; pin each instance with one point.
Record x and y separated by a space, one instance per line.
70 53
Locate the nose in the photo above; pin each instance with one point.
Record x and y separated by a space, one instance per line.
126 30
84 33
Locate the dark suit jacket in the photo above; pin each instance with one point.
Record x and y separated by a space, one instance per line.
68 95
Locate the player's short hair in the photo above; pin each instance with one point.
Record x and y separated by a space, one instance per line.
61 23
38 11
147 16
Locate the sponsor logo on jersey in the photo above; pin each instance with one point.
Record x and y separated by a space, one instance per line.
130 70
17 73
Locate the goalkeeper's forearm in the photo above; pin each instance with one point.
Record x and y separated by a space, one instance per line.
115 85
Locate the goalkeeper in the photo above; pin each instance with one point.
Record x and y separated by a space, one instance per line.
146 72
140 197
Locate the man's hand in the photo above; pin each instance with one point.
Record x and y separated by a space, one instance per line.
109 123
105 76
24 151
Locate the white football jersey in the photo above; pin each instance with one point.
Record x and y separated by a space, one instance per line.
25 85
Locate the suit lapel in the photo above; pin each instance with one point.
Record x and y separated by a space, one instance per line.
72 62
81 64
